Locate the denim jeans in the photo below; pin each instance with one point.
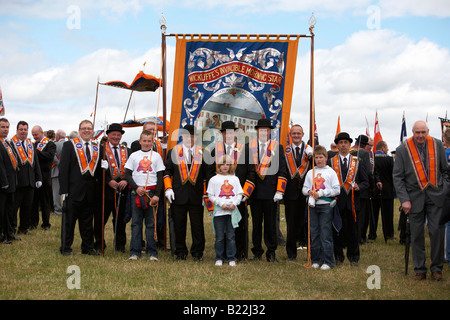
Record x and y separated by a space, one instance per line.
137 218
321 217
223 227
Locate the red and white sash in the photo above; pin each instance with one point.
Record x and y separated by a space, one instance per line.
81 157
21 152
116 171
425 180
10 153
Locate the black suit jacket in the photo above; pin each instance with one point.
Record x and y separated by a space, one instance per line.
384 165
45 158
71 181
27 174
266 188
294 186
344 200
8 175
364 162
185 193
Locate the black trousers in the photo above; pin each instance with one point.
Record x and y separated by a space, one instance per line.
387 216
23 200
241 233
348 237
294 211
41 200
264 212
110 209
6 207
83 211
179 214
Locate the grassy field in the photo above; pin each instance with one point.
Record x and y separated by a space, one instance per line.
34 269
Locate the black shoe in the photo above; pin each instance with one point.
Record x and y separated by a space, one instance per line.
198 259
180 257
66 253
91 252
271 258
354 263
254 258
7 241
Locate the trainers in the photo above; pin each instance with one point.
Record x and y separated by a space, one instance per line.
325 267
232 263
153 258
219 263
315 265
133 257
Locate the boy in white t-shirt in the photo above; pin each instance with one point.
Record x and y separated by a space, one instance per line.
144 172
225 191
321 193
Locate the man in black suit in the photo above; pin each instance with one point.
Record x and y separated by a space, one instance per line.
8 179
384 197
187 170
116 188
77 180
244 170
268 157
28 177
45 149
353 178
297 163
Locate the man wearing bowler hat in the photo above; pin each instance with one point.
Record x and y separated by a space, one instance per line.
244 170
114 157
184 179
271 176
352 178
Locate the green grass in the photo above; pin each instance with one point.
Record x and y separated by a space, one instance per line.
34 269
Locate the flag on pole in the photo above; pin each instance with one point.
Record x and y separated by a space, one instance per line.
377 133
338 129
367 128
403 130
2 107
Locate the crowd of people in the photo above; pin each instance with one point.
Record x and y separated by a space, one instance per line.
342 191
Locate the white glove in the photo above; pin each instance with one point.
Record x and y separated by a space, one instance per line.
277 197
244 198
64 196
38 184
311 202
105 164
170 195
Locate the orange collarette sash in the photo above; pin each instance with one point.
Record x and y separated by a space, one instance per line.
351 174
261 168
292 166
81 157
41 145
10 153
22 155
425 180
187 174
116 172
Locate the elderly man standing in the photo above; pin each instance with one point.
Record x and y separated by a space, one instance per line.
420 173
45 149
60 138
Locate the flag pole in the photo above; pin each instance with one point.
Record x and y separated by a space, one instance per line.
96 98
312 22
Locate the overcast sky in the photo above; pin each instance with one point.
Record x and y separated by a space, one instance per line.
381 56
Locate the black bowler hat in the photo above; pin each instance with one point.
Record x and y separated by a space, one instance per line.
115 127
343 136
264 123
228 125
363 140
189 128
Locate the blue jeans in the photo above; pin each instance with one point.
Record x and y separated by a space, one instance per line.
223 227
321 218
137 218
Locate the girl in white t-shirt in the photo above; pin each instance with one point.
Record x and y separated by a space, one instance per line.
321 191
225 191
144 172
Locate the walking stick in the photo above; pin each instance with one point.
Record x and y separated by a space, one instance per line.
407 243
103 205
117 204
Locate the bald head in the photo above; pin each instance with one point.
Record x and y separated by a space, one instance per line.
37 133
420 131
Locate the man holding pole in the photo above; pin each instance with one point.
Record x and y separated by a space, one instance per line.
115 187
420 178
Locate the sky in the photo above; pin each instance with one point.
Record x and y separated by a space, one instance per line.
371 57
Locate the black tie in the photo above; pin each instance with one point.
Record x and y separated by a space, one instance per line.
189 156
344 168
88 152
297 156
261 152
116 155
228 150
25 147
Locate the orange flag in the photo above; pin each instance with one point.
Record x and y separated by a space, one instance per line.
377 134
338 129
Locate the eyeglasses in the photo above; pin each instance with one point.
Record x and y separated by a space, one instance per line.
85 128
